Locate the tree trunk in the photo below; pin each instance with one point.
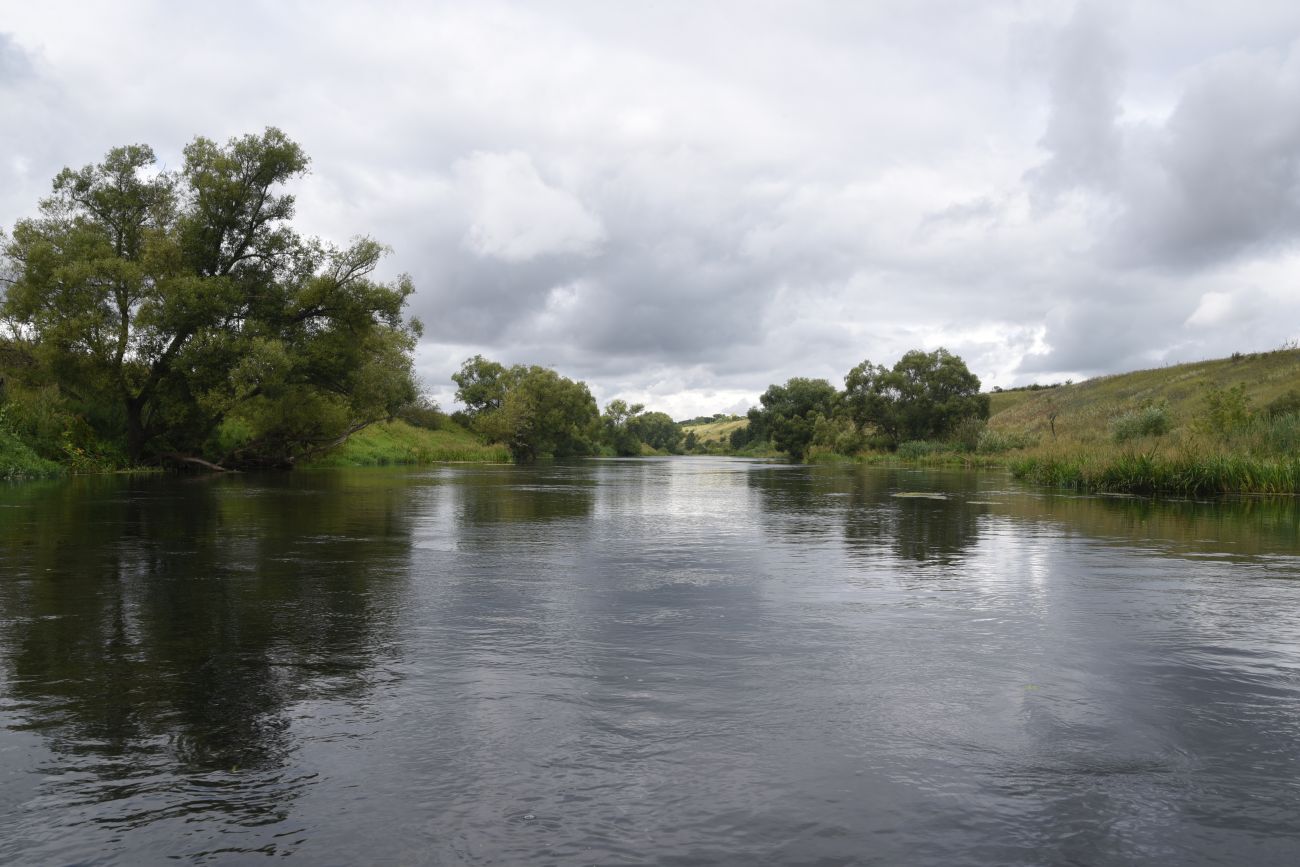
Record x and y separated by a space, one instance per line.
135 436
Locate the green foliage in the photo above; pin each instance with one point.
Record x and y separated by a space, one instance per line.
791 411
1151 420
923 396
540 413
837 433
18 461
1224 410
162 304
616 428
968 432
480 385
423 412
691 442
658 431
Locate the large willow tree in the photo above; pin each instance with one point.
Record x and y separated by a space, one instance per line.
188 301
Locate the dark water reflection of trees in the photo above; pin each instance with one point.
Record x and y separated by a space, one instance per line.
185 616
909 516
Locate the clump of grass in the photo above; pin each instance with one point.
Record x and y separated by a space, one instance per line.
1148 421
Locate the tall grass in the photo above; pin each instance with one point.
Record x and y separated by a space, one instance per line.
1186 473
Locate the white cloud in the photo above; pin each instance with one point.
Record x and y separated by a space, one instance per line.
517 216
1213 309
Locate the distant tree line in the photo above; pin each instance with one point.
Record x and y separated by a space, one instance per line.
537 413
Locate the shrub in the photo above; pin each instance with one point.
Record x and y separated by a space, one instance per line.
1224 410
1147 421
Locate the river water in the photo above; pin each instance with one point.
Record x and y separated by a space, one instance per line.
657 661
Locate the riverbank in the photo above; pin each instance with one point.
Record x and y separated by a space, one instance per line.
18 461
1148 470
397 443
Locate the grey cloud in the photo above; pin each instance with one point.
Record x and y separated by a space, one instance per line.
604 189
15 64
1086 85
1222 177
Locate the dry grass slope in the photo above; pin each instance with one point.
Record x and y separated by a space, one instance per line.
1084 410
715 431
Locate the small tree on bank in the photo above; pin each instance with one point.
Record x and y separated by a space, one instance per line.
533 410
790 413
923 396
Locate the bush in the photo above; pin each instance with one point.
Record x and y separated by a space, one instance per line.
1224 411
1148 421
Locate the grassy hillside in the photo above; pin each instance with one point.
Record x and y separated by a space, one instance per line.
716 431
396 442
1084 410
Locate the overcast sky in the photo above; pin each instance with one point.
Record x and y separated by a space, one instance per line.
681 203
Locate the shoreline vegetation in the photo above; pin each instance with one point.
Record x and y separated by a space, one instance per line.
175 319
1221 426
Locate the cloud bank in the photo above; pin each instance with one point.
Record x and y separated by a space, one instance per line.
683 203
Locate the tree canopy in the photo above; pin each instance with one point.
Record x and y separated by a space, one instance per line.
790 412
533 410
924 395
186 316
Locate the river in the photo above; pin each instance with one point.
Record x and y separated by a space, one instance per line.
653 661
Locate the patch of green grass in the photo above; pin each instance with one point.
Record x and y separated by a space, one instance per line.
397 443
18 461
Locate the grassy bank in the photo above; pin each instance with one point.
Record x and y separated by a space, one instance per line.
1154 472
18 461
1224 426
397 443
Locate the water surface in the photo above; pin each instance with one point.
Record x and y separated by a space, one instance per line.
682 661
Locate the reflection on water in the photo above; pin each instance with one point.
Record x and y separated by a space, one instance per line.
676 661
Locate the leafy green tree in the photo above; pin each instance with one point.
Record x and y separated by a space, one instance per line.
691 442
542 414
616 428
657 430
739 438
480 385
923 396
790 412
187 303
